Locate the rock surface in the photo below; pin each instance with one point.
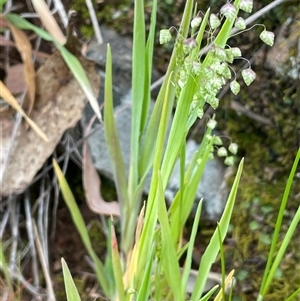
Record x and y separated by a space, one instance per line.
212 187
284 56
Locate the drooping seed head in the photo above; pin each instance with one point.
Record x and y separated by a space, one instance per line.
229 11
246 5
240 23
233 148
164 36
248 76
267 37
235 87
196 22
214 21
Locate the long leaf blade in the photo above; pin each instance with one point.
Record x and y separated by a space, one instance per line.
212 249
70 287
113 143
286 193
138 82
169 258
72 62
81 227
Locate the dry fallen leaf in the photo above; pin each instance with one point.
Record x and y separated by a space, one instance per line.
9 98
59 104
92 184
15 81
48 20
24 47
6 42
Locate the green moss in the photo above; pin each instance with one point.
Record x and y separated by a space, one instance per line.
80 283
269 153
83 17
60 293
98 238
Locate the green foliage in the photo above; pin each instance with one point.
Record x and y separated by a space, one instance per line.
144 263
82 230
71 290
2 2
70 59
156 249
273 264
83 17
4 268
129 193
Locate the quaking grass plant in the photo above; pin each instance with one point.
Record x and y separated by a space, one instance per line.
144 263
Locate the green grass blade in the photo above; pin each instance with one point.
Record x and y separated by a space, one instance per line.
3 267
144 290
108 265
148 68
223 36
190 191
138 82
147 234
178 131
81 228
116 263
222 256
212 249
111 136
71 61
158 282
207 296
286 193
294 295
189 255
168 253
200 34
282 250
224 33
182 164
179 215
147 153
70 287
115 153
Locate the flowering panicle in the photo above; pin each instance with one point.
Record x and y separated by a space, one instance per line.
222 151
229 11
240 23
196 22
248 76
213 73
165 36
214 21
246 5
267 37
235 87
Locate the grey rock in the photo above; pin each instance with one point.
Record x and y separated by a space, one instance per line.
97 143
121 65
279 57
212 187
